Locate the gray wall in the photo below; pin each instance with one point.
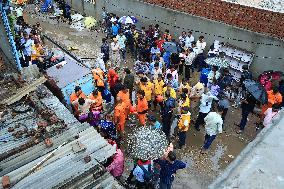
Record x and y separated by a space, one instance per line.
125 7
5 46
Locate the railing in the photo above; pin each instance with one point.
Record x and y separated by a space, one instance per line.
9 33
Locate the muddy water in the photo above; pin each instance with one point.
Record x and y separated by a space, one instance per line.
202 169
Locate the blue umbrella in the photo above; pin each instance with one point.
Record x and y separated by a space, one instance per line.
128 20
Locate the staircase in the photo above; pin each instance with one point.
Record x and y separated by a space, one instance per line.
4 23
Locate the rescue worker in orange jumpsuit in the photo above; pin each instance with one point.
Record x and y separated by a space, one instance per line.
124 95
75 96
119 116
142 107
274 97
97 96
98 75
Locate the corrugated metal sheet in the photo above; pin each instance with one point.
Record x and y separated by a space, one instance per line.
69 73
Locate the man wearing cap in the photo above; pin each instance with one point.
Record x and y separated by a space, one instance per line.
75 96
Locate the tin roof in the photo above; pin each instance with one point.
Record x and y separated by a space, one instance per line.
67 74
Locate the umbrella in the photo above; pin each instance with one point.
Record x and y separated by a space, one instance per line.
89 22
216 61
170 47
128 20
256 90
145 143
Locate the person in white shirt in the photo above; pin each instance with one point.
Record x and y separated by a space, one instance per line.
115 53
172 71
182 38
204 108
83 105
201 44
100 62
189 39
214 74
189 57
213 126
157 71
121 39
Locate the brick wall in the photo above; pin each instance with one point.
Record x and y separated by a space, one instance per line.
257 20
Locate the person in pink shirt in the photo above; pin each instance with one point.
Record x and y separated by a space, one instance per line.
117 165
270 113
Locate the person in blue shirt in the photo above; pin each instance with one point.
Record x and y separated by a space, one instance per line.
169 166
152 65
154 124
26 46
107 127
115 29
172 82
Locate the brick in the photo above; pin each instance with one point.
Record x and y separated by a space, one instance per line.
48 142
6 181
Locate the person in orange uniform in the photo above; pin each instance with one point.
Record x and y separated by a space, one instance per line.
123 94
97 96
148 88
75 96
119 116
274 97
142 107
98 75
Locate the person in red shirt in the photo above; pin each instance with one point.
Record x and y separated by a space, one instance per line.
112 78
142 107
75 96
160 43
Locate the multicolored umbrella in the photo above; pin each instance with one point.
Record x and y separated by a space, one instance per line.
128 20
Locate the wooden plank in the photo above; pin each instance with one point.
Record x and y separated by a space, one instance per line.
24 91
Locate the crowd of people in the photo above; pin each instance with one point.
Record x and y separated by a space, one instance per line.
154 85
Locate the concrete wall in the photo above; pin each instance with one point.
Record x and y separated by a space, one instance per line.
177 22
260 164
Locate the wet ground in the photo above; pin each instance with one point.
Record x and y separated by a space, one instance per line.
202 169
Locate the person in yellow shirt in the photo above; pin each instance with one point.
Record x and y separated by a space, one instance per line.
148 88
183 125
184 100
37 53
185 86
158 90
172 92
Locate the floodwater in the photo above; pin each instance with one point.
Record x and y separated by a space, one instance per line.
201 169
